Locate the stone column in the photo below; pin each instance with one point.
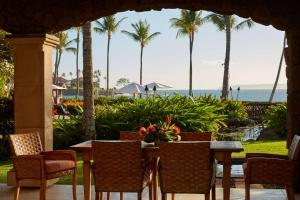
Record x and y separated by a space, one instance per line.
33 85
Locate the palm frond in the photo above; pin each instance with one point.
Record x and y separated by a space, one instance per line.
100 27
153 35
217 19
119 22
246 23
134 36
71 49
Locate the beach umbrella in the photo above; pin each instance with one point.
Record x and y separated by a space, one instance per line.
56 87
157 85
132 88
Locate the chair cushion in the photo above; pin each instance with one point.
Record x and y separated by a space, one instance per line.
58 165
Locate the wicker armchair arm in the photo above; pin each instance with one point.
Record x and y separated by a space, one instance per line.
29 166
265 155
60 155
270 171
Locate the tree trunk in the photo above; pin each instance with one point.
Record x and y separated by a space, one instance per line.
141 64
278 72
191 37
227 58
88 106
55 67
77 64
107 66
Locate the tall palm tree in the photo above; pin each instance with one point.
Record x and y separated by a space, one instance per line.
88 96
78 30
142 35
109 25
187 25
227 23
64 45
279 70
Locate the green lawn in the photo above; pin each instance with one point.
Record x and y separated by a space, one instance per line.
278 147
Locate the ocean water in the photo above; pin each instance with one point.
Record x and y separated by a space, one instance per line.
261 95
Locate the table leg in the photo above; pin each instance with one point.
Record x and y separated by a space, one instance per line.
226 175
86 157
154 182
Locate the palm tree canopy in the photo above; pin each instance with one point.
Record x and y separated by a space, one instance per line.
219 21
108 25
64 43
188 23
141 32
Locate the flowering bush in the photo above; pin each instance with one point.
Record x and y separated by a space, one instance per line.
163 132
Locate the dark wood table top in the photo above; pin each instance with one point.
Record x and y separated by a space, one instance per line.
230 146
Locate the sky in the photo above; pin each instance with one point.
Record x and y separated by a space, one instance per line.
255 54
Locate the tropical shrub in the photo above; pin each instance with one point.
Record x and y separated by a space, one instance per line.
275 118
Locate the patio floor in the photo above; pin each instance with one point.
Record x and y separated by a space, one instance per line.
64 192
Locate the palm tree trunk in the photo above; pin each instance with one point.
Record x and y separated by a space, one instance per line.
227 58
278 72
88 106
77 64
107 66
55 67
191 37
141 64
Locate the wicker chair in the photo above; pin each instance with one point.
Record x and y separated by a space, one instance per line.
120 167
262 168
195 136
186 167
130 135
31 162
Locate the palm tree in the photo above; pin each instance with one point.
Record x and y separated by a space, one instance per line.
142 35
64 45
188 24
108 26
122 81
279 70
78 30
227 23
88 106
97 75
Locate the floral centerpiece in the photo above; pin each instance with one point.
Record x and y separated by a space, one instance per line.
165 131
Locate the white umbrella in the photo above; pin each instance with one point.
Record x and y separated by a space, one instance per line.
157 85
132 88
56 87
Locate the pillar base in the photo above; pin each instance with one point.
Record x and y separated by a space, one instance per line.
11 180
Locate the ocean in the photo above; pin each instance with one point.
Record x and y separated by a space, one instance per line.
261 95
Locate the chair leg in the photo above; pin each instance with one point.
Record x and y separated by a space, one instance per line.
74 185
139 196
163 196
173 196
150 191
213 192
121 195
207 196
108 195
43 189
247 191
17 190
290 193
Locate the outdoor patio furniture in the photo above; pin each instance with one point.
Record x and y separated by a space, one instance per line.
186 167
120 167
195 136
130 135
262 168
61 111
31 162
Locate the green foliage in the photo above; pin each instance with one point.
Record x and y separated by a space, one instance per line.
6 125
67 132
112 101
235 110
275 118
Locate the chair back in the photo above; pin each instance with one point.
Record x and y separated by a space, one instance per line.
294 150
195 136
117 166
185 167
25 144
130 135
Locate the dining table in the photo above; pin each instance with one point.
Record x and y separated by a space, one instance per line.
222 151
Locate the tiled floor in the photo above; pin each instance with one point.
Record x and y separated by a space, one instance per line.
62 192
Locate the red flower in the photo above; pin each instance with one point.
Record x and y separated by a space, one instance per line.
168 120
176 130
54 111
151 129
142 131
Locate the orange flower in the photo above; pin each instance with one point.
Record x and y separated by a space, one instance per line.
142 130
176 130
168 120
